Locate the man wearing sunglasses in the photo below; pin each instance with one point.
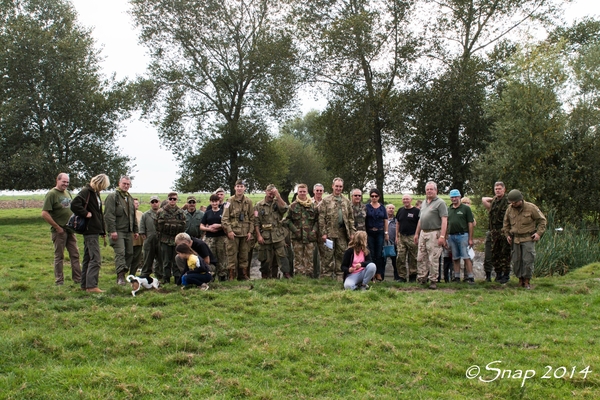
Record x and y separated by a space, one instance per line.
170 221
193 216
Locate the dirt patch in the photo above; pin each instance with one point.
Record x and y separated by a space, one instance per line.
8 204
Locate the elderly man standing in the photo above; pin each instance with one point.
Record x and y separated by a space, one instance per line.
358 211
524 224
56 211
238 223
336 223
122 227
499 249
193 217
270 234
460 235
303 221
430 235
408 219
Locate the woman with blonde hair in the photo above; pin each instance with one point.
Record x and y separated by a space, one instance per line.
357 265
88 204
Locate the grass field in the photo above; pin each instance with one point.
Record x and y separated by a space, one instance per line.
288 339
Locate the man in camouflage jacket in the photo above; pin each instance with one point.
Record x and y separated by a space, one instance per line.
270 233
303 222
336 223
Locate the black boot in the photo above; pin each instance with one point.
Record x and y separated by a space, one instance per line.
488 276
504 278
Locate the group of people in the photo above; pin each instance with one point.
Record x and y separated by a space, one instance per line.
324 236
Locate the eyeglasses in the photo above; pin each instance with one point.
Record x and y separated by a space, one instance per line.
191 202
374 195
318 191
153 201
173 198
357 195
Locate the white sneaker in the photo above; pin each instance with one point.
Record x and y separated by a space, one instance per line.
204 286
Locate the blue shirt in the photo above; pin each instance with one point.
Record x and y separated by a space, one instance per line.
375 217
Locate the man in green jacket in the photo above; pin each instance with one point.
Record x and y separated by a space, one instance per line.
122 227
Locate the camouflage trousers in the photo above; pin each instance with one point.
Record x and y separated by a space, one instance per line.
428 258
500 252
321 255
218 246
334 267
303 257
406 249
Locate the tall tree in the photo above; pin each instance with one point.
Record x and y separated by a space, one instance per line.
547 124
57 113
469 41
360 49
218 68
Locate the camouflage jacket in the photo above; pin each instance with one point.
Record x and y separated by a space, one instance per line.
303 222
360 214
329 223
497 211
268 218
169 222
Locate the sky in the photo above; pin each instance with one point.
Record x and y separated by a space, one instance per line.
155 167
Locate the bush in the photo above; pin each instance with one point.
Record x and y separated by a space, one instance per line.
563 249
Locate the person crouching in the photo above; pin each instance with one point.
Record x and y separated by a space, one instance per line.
196 271
357 265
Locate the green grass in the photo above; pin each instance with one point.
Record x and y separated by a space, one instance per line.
285 339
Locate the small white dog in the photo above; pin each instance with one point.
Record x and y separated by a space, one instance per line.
137 282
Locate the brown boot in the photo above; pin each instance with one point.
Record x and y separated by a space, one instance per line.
121 278
521 282
232 275
94 290
378 277
287 275
526 284
245 275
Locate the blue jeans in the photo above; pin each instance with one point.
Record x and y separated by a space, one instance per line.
363 277
375 244
459 246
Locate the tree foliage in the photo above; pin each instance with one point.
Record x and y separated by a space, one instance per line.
304 164
219 69
361 49
547 124
57 114
446 127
